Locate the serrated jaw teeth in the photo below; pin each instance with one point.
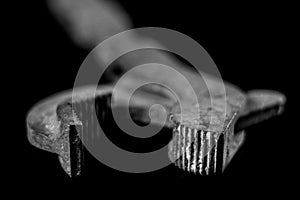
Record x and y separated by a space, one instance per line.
195 150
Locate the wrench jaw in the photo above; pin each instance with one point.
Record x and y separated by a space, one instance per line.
212 150
54 133
55 126
204 152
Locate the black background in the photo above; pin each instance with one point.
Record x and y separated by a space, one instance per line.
250 44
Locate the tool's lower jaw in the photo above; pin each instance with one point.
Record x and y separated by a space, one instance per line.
204 152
